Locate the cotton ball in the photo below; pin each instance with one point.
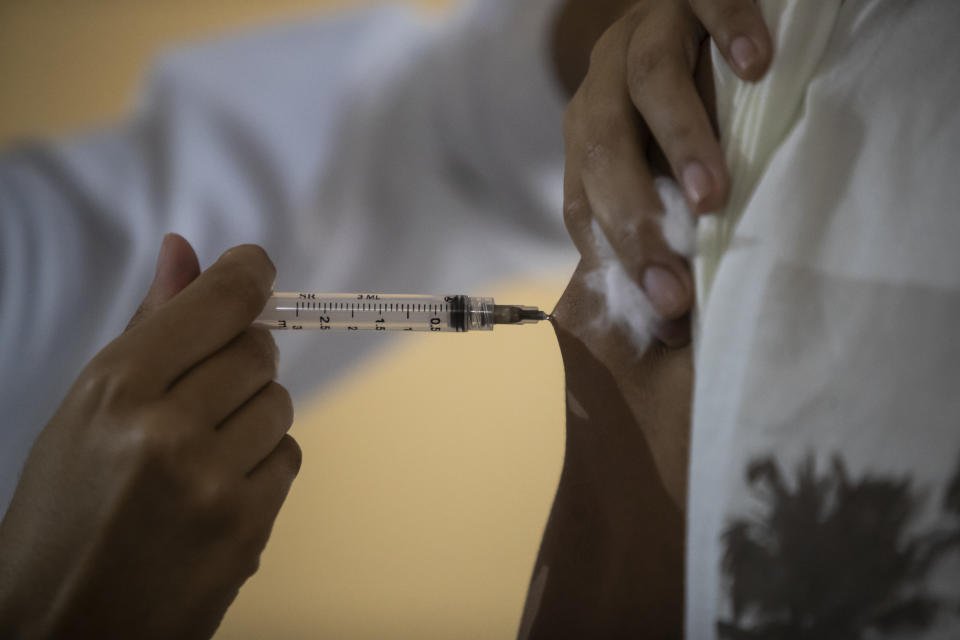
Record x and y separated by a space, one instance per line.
678 223
625 304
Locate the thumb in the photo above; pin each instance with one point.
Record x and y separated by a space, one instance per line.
177 266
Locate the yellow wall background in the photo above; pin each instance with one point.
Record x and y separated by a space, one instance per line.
428 472
66 64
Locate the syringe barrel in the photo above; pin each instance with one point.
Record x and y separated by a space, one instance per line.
377 312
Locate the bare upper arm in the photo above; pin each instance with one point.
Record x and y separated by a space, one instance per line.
611 560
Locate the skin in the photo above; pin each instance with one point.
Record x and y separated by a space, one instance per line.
611 561
613 546
147 499
637 112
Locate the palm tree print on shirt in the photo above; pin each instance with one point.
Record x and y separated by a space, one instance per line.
833 557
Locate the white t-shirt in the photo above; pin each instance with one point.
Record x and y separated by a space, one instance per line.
376 150
825 470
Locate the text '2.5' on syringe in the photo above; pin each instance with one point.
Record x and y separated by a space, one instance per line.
390 312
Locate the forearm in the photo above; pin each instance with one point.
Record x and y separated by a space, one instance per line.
611 560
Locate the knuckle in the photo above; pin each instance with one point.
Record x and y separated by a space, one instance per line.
251 564
607 110
154 440
606 47
594 110
260 347
282 403
254 534
211 497
111 386
644 63
592 135
576 213
609 48
207 492
597 153
293 455
603 135
596 121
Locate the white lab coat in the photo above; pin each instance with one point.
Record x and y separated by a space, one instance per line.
375 150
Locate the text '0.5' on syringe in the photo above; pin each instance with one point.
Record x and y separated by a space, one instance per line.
386 312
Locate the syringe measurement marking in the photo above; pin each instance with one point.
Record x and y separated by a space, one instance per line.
393 308
380 308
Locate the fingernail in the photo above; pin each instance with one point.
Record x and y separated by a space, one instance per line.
743 52
697 183
664 291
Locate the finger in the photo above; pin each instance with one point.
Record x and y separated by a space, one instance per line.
219 385
255 430
271 479
660 80
738 28
620 193
597 119
210 312
610 181
638 240
577 216
177 266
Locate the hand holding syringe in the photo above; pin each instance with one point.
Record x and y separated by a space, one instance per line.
386 312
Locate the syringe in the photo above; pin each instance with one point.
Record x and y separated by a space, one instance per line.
385 312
